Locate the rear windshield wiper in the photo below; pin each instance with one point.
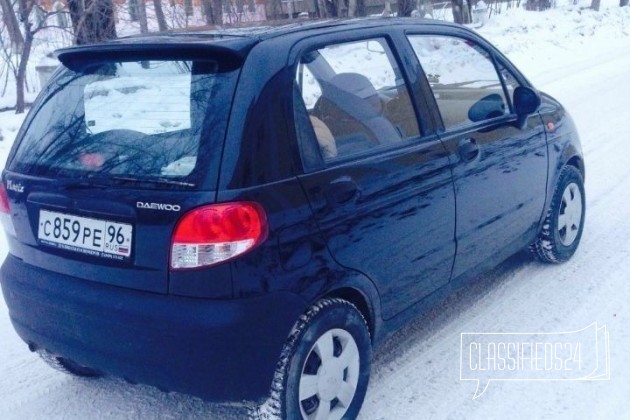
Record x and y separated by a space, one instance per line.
157 180
108 181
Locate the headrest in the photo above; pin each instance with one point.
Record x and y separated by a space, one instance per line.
354 83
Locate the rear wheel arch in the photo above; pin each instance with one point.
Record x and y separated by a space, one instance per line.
360 301
326 319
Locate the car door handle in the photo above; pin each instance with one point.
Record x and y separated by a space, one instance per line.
342 190
468 149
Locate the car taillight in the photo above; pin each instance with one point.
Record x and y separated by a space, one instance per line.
5 212
215 233
4 200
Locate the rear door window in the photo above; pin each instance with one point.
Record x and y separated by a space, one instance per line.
132 121
355 97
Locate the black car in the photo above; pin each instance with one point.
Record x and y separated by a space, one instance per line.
243 215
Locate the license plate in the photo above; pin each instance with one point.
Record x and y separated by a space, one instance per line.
96 237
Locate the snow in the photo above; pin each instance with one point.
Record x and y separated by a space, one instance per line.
582 58
140 99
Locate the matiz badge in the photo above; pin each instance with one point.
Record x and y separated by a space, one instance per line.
15 186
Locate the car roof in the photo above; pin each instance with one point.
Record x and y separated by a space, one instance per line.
238 40
266 30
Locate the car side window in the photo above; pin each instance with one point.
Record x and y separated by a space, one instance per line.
464 80
355 97
509 80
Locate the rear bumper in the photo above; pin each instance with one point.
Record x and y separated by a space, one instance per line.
218 350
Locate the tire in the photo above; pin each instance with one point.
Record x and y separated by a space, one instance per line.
562 229
332 385
68 366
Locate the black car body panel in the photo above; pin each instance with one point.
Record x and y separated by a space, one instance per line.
392 230
190 345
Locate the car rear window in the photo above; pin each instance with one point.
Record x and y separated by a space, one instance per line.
152 121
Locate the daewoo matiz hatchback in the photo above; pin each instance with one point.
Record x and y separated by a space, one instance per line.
244 215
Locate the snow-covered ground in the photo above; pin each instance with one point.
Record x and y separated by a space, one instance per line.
579 56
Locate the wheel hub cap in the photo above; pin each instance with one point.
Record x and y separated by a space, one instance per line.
330 376
570 215
329 382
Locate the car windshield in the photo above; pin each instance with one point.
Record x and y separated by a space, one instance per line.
144 121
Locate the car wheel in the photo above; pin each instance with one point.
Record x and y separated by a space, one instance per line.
68 366
324 368
562 229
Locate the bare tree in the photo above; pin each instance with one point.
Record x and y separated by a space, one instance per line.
352 8
213 11
538 4
132 7
426 8
405 7
138 13
361 11
92 20
17 56
11 23
321 7
458 16
159 15
273 9
217 5
142 17
25 7
461 11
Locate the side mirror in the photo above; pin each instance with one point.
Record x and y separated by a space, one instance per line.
488 107
526 101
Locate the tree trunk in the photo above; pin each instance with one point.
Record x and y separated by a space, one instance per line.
92 22
20 77
467 12
132 7
217 6
387 9
352 8
159 14
142 17
206 9
623 3
458 16
323 10
213 11
461 11
426 8
405 7
12 24
208 12
290 9
75 7
361 8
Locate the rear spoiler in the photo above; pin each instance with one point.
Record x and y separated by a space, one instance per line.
232 51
